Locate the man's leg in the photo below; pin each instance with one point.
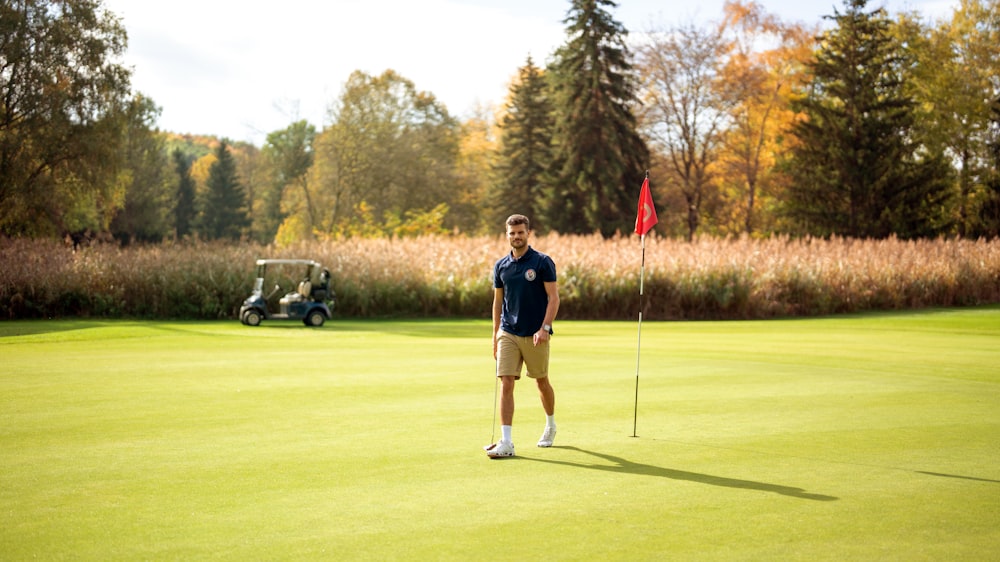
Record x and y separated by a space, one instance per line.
507 400
508 368
547 395
549 405
509 362
504 447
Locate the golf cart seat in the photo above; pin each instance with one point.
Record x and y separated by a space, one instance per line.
289 299
305 288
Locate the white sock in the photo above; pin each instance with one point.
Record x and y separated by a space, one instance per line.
550 421
505 433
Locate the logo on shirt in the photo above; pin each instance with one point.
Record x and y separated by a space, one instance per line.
530 275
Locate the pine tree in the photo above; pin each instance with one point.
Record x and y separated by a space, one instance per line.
599 158
857 169
525 147
185 212
224 213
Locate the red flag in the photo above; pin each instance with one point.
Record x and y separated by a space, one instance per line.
646 217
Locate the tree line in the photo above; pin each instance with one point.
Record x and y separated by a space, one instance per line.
868 126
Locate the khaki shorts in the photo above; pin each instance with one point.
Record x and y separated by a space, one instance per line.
515 351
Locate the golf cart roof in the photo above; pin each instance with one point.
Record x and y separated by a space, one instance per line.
287 262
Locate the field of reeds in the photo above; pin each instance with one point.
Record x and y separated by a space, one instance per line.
449 276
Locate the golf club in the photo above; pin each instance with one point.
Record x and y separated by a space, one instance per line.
496 384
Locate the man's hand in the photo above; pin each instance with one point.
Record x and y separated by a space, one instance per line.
540 336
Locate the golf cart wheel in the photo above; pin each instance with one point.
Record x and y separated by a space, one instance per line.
315 318
252 318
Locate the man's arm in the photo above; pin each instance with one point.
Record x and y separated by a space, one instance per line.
552 290
551 309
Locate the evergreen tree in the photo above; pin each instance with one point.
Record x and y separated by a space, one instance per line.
525 147
599 158
185 212
858 170
224 213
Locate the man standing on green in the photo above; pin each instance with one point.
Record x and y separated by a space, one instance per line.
525 303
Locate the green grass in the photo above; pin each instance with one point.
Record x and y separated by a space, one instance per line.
853 438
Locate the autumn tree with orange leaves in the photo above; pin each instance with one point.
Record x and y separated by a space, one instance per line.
765 63
716 100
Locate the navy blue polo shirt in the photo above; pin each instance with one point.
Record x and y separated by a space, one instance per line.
524 297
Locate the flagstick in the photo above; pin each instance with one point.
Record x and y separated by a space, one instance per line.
642 275
644 220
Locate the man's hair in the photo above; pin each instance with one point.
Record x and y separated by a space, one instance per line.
519 219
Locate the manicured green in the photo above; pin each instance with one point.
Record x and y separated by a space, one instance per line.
868 437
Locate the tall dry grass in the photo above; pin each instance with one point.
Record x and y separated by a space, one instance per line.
450 276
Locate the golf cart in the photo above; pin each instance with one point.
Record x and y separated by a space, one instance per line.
306 300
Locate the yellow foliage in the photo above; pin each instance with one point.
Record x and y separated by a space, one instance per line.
200 168
292 231
414 223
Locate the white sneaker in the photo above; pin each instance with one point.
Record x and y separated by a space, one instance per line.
547 437
500 449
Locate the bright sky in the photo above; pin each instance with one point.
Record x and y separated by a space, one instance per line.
244 68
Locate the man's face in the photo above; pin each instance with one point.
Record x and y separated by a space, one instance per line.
517 235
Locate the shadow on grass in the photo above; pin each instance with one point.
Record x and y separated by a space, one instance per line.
32 327
960 477
621 465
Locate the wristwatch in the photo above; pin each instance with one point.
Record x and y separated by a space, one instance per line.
547 328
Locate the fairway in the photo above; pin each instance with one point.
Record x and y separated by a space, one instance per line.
869 437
